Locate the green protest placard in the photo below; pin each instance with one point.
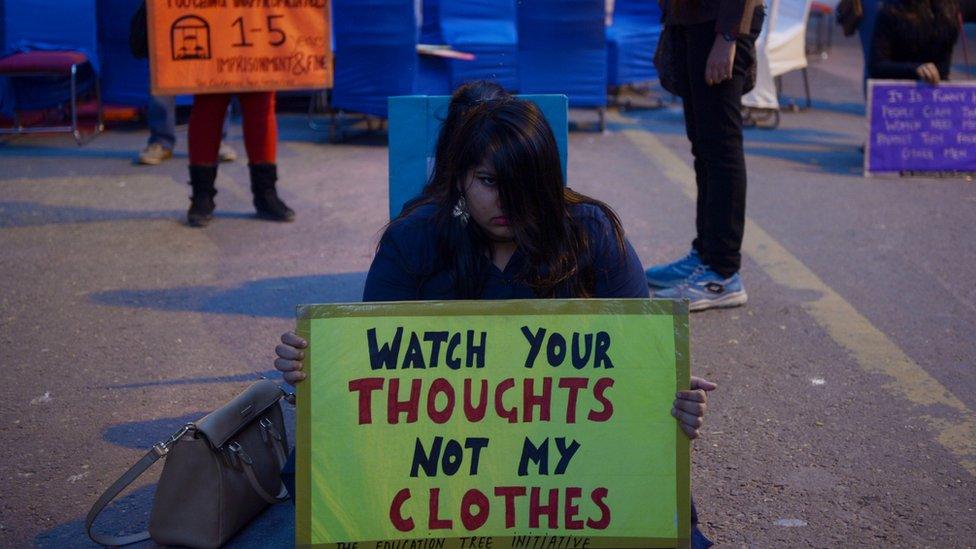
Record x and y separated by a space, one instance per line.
530 423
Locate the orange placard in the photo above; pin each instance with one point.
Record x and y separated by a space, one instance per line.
214 46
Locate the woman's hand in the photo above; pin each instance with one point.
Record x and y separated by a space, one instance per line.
689 406
718 68
929 73
290 357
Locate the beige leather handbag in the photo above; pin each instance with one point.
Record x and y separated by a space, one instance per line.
219 473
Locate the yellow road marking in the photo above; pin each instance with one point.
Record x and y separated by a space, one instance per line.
873 351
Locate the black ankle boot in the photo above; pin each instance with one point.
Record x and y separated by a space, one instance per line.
266 201
202 201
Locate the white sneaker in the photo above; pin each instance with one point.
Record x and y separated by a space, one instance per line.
154 154
226 153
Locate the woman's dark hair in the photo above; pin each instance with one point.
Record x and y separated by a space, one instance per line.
926 20
513 137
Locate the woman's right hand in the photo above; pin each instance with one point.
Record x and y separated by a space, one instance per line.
928 72
290 357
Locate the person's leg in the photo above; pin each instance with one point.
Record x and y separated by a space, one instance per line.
669 275
206 121
261 141
718 120
161 115
203 138
226 153
701 175
162 120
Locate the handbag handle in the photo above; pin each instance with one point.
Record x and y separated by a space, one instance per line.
159 450
272 437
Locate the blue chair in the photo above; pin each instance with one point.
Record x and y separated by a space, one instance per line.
487 29
376 56
415 123
631 42
563 49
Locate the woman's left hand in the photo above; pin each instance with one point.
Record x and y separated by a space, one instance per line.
721 59
689 406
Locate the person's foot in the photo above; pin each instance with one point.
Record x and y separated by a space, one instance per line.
201 210
269 206
226 153
154 154
706 289
669 275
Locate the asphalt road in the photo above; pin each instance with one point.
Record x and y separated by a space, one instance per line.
845 413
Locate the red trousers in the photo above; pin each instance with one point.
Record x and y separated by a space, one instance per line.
260 127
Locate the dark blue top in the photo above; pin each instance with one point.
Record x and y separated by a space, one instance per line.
406 264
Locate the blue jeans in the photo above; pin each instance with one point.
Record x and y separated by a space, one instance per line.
162 121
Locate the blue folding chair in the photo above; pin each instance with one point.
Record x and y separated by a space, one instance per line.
414 124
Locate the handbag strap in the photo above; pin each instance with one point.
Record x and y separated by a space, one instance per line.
159 450
274 439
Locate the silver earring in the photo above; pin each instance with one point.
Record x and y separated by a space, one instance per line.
461 211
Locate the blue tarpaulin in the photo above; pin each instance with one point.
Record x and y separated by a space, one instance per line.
376 55
563 49
487 29
125 79
632 40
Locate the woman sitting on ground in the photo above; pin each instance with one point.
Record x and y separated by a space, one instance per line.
913 40
496 222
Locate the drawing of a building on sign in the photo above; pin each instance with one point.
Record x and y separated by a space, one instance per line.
190 38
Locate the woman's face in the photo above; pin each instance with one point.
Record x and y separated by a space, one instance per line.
481 193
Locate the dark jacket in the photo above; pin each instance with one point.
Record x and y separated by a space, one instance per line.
727 14
407 265
909 33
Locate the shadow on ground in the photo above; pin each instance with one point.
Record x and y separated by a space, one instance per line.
35 214
275 527
143 434
236 378
270 297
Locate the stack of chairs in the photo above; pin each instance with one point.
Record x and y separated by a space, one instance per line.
563 49
487 29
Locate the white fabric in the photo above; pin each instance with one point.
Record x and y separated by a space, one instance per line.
763 96
787 42
781 48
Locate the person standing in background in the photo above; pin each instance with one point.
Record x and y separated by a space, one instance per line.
713 50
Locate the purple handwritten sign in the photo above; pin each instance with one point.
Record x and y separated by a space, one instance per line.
917 128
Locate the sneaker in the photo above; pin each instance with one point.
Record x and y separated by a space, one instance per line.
706 289
226 153
669 275
154 153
